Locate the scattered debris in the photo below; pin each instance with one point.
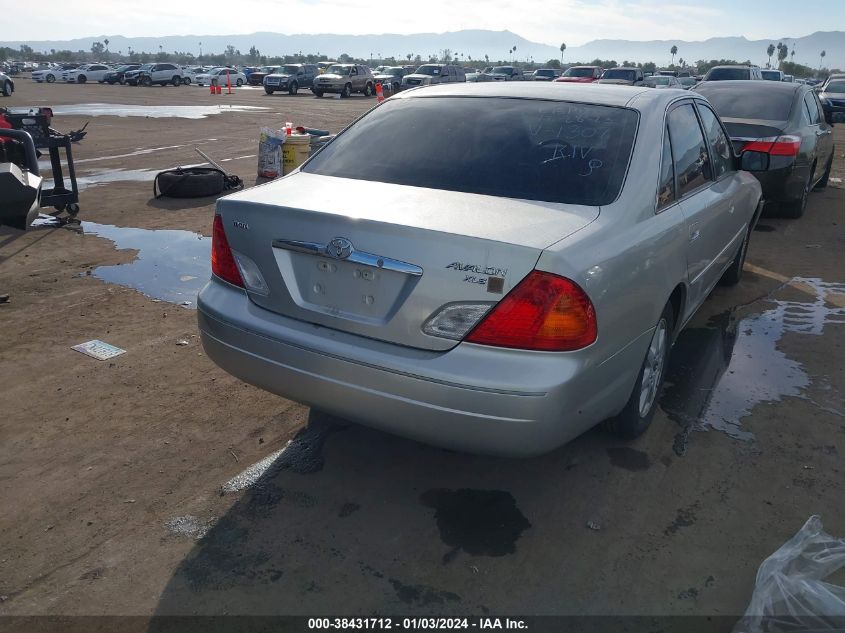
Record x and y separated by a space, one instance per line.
182 342
4 299
98 349
235 456
190 526
594 525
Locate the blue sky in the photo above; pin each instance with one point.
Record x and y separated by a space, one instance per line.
572 21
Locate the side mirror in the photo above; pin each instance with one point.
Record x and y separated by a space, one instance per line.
754 161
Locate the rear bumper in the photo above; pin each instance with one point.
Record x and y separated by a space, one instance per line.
471 398
783 185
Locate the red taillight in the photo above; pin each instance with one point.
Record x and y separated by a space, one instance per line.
786 145
222 261
544 312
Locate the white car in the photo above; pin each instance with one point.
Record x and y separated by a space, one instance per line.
86 72
217 77
51 74
189 74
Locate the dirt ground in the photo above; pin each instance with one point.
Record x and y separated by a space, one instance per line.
113 474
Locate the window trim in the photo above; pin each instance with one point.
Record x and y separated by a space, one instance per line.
667 138
673 106
732 169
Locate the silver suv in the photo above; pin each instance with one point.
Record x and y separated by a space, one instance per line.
731 73
345 79
428 74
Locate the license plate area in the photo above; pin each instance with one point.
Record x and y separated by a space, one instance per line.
343 289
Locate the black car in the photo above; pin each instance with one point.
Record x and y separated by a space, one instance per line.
785 133
832 96
256 77
118 76
391 77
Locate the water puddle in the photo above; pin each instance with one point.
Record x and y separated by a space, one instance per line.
479 522
170 266
719 373
153 112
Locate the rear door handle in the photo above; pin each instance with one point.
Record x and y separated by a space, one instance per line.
822 132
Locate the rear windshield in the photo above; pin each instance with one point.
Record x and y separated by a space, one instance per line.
768 105
837 87
728 74
544 73
771 75
615 73
514 148
578 72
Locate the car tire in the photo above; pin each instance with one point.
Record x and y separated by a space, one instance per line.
81 79
368 90
733 274
146 81
196 182
293 88
7 88
269 91
50 79
121 81
794 209
176 81
318 93
186 81
213 82
821 184
638 412
346 92
239 82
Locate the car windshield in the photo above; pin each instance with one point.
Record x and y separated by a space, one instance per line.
428 70
145 66
216 71
338 69
396 72
768 105
289 70
123 69
771 75
544 73
687 81
503 70
268 69
728 74
578 72
616 73
658 80
549 151
837 87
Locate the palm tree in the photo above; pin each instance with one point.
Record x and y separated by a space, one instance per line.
770 51
821 59
674 51
562 49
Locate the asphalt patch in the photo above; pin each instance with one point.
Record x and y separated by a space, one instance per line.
628 458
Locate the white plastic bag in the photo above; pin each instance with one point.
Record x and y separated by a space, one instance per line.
270 153
790 594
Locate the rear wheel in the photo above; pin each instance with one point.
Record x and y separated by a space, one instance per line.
636 417
239 82
347 91
821 184
7 88
269 91
318 93
293 88
176 81
795 208
122 81
186 81
368 90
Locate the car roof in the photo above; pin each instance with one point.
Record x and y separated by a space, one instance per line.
743 66
621 68
605 94
750 86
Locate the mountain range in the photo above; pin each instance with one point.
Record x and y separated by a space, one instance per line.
474 43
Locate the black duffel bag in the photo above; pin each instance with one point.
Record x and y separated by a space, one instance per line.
194 182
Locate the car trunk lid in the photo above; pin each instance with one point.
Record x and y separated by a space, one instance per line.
379 259
742 131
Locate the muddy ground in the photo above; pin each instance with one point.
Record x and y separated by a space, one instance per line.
113 474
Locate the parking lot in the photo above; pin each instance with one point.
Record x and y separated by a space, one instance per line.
155 483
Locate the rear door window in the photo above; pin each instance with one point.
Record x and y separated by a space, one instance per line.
721 153
666 186
530 149
812 108
689 149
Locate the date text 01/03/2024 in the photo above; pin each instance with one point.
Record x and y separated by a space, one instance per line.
416 623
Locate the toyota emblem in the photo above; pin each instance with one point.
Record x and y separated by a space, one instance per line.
339 248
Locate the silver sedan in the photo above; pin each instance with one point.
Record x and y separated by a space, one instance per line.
511 274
